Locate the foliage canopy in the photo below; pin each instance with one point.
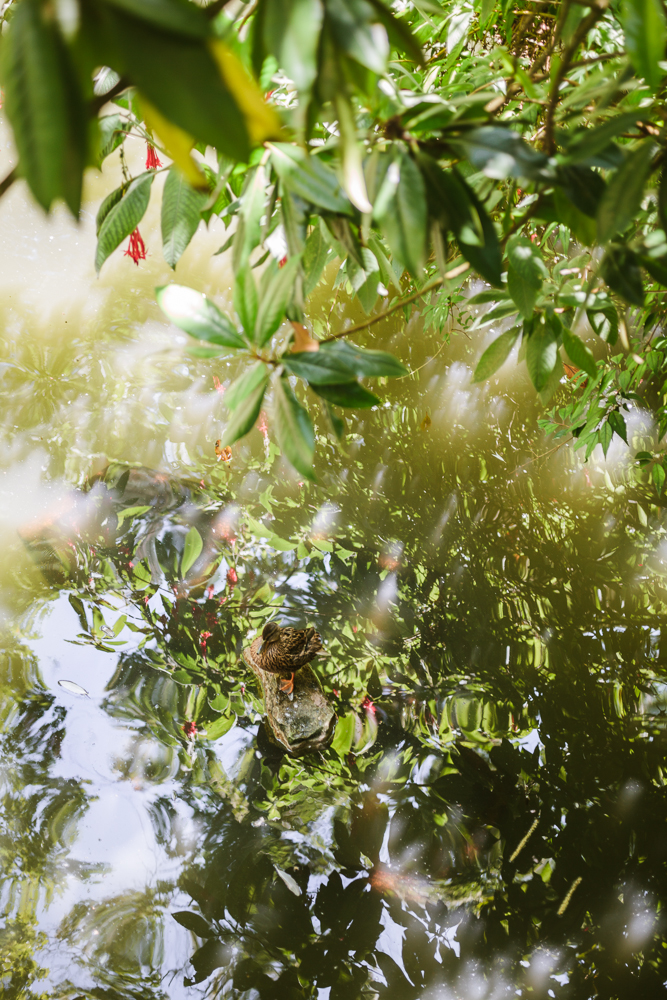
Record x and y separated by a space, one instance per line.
415 144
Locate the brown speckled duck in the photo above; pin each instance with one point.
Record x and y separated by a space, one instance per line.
284 650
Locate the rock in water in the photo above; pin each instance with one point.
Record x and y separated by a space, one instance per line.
302 724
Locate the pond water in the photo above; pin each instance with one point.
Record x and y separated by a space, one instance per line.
491 819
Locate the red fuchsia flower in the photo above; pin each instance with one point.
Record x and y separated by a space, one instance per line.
219 387
368 706
282 261
232 577
203 638
137 248
152 159
209 591
190 730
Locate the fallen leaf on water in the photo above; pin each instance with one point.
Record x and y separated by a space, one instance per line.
223 453
73 688
570 370
291 884
302 339
426 423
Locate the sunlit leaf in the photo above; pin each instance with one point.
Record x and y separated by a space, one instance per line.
496 354
181 205
124 217
191 550
193 312
294 429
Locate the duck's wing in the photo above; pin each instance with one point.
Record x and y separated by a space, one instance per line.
309 646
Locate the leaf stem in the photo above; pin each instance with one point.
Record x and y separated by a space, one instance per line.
454 273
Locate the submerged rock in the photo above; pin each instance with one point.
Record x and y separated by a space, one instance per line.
301 724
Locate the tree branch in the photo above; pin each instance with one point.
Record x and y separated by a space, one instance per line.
454 273
8 181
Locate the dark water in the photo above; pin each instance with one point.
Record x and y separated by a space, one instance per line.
491 821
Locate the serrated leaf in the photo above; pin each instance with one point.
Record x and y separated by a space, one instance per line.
112 132
351 395
245 300
191 550
276 291
124 217
193 312
496 354
245 412
294 429
180 216
578 353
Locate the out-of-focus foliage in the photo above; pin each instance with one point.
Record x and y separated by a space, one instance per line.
412 144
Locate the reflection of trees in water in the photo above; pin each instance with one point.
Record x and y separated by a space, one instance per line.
455 847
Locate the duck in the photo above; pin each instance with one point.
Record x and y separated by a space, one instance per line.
284 650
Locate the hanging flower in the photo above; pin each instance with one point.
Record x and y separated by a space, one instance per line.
137 248
190 730
152 159
232 578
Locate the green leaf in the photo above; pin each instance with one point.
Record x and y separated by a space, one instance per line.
584 188
525 273
294 429
309 178
620 269
276 290
624 192
193 922
604 323
496 354
367 364
583 226
191 550
319 367
658 474
173 71
348 394
106 206
501 153
586 143
124 217
131 512
541 353
398 32
314 259
645 35
245 300
245 384
246 410
253 201
344 735
402 215
618 425
214 731
45 105
578 353
193 312
112 132
181 206
178 16
290 31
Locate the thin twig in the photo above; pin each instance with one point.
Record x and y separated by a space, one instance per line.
454 273
8 181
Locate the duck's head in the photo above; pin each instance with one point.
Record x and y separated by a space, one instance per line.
270 634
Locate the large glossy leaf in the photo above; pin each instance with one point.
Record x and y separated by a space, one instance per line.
173 71
309 178
124 217
246 411
348 394
402 214
500 153
45 106
107 204
496 354
275 293
369 364
541 352
246 301
181 207
319 367
645 35
624 192
294 429
398 31
253 200
193 922
193 312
